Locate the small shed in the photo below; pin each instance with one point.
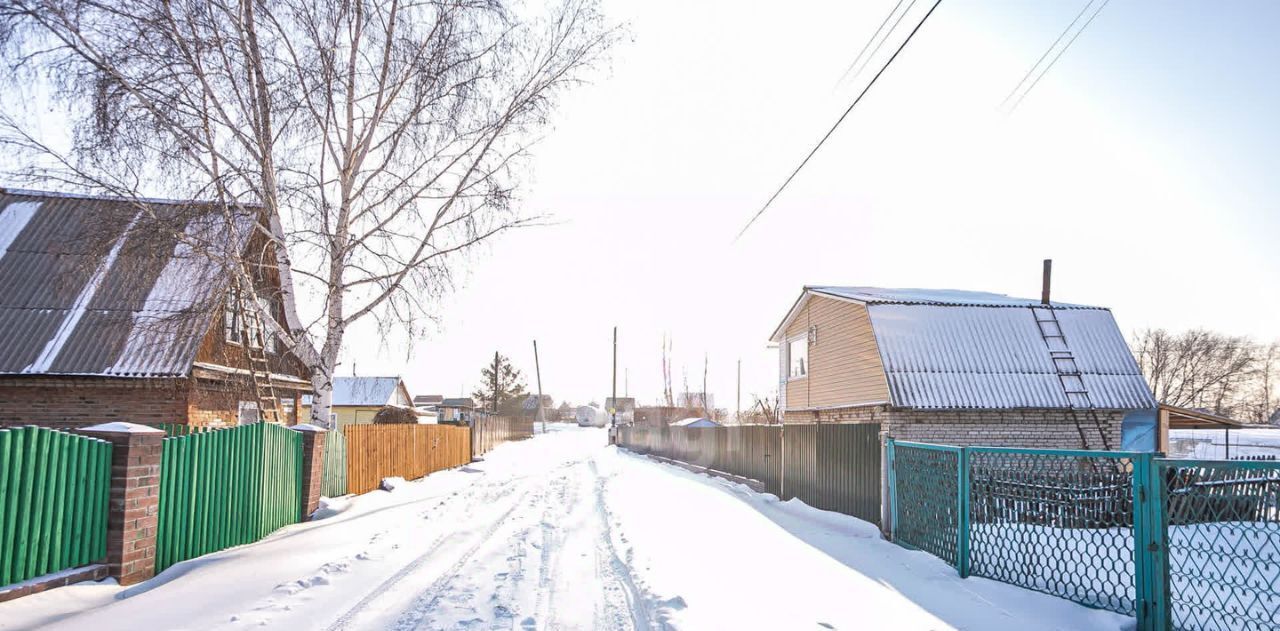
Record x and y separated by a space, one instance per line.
356 400
695 422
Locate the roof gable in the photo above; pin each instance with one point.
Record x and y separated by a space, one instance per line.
97 286
951 349
365 391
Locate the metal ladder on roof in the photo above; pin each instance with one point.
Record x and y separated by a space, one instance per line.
1069 375
259 369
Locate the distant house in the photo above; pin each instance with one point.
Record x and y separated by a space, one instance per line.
660 416
356 400
695 422
457 410
960 367
427 401
105 314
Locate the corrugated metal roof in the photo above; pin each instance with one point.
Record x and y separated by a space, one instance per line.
940 356
946 297
364 390
95 286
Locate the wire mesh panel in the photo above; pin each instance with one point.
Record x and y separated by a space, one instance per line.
1222 523
1059 522
926 500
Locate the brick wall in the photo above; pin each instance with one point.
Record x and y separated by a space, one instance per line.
68 403
1047 428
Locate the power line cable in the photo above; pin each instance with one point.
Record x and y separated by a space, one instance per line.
839 120
1016 103
874 35
1048 50
884 39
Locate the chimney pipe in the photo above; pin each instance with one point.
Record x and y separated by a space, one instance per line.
1048 274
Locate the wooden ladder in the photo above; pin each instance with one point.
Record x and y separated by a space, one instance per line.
1069 375
259 369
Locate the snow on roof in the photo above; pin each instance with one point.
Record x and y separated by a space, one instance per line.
954 349
95 286
364 390
695 422
948 297
976 357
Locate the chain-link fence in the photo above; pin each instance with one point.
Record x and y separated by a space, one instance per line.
1180 544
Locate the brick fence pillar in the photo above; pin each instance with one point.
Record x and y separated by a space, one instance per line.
312 467
134 509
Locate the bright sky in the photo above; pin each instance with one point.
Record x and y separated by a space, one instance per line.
1142 164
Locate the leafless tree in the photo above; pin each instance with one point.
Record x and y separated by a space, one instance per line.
374 142
764 410
1228 375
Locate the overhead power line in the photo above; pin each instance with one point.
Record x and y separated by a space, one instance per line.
1031 86
874 37
838 121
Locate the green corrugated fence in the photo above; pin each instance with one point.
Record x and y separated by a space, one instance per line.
335 465
225 488
54 488
181 429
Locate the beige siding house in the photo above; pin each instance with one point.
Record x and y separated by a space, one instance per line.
959 367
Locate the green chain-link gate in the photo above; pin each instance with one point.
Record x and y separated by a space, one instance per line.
1179 544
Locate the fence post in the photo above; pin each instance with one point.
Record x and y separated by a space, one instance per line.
1150 540
886 511
312 467
892 476
133 511
962 505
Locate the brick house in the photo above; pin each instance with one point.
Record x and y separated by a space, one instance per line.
105 314
960 367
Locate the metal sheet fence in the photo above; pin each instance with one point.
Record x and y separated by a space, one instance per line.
1179 544
834 467
375 452
752 452
53 501
488 432
225 488
334 482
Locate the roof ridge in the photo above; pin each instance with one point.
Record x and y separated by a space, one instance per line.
29 192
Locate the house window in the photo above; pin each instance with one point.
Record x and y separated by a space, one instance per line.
798 358
248 413
231 318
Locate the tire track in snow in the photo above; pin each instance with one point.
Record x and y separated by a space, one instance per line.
344 622
639 608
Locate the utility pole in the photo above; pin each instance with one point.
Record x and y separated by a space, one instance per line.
495 383
706 405
537 368
738 415
613 411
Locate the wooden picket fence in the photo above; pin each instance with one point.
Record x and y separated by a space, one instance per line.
225 488
490 431
375 452
54 488
334 482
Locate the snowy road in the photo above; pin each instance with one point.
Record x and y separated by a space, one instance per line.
560 532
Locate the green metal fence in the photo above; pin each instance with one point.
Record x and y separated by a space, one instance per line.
925 498
1179 544
334 482
225 488
1221 528
1059 522
54 488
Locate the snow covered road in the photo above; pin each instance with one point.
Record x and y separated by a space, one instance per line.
560 532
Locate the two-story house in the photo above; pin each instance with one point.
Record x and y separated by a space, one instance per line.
960 367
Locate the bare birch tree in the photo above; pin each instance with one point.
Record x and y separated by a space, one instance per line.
1228 375
375 142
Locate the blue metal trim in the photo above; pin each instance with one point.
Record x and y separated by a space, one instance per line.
1074 453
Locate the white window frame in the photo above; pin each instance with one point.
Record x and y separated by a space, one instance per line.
790 341
248 405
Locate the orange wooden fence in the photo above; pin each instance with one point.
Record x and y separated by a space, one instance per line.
375 452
